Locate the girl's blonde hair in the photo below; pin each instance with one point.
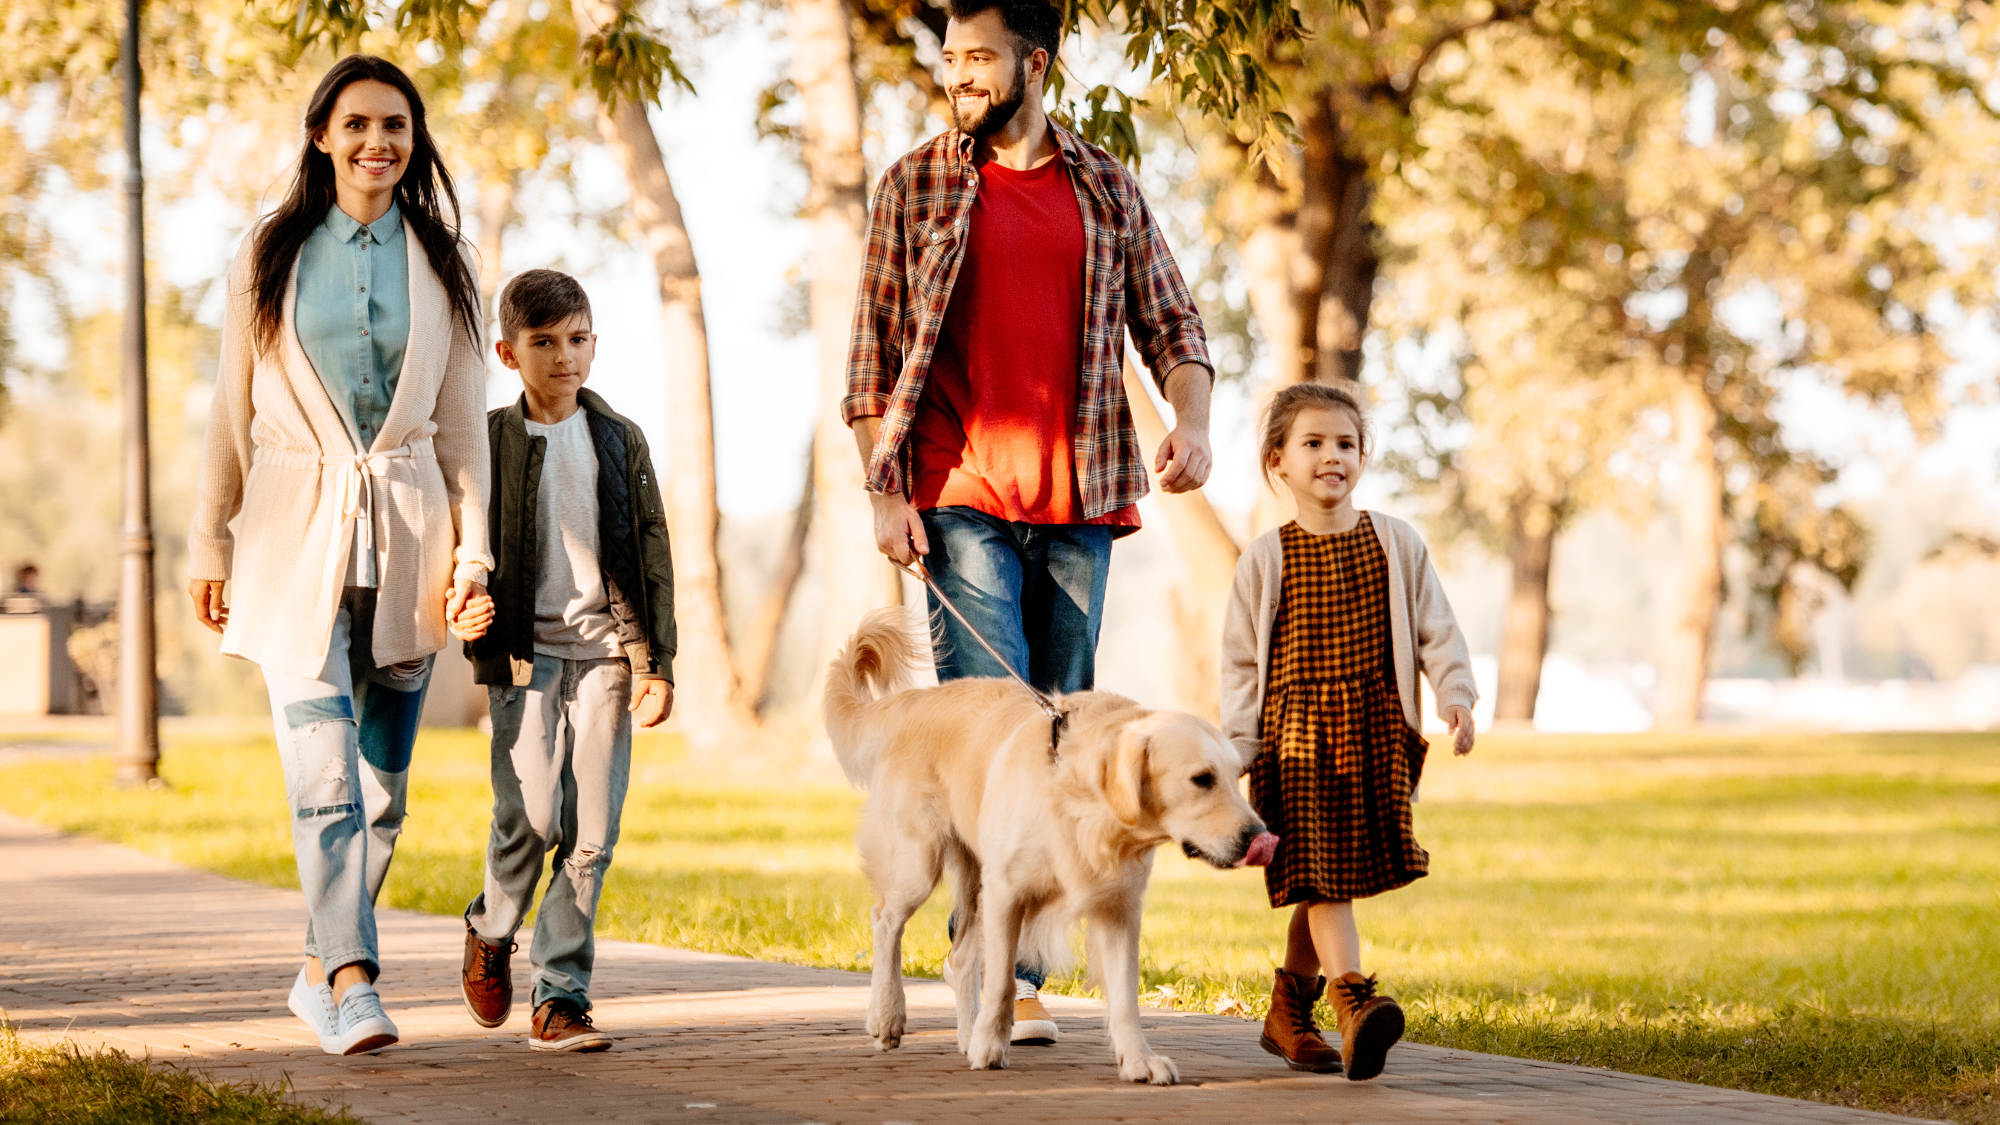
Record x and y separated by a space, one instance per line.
1285 408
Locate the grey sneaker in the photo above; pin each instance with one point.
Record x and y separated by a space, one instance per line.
313 1004
364 1027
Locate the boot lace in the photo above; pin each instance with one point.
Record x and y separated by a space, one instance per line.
1358 992
1303 1023
1301 1012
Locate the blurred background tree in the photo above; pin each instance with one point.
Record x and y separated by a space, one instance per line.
1587 258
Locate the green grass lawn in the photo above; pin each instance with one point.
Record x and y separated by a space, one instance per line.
65 1086
1809 915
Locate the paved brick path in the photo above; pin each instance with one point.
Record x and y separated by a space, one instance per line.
105 945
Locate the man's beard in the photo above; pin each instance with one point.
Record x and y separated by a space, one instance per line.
999 110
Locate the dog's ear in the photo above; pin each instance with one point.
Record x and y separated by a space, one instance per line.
1125 774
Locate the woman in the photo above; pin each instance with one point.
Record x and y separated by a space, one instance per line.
347 442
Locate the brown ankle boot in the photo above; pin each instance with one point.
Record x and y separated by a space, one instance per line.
1369 1025
1289 1031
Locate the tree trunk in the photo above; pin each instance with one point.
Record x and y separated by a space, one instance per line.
1312 264
1348 286
854 577
496 213
708 701
760 642
1312 269
1524 637
1208 556
1684 666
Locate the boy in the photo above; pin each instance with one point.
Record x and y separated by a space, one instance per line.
581 646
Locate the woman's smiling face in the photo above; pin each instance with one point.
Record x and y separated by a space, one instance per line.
369 138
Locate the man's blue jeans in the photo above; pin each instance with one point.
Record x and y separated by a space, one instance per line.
344 737
1034 591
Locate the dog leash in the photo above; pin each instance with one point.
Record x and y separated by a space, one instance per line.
1058 718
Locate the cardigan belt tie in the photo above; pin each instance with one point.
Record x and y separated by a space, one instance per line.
356 489
357 494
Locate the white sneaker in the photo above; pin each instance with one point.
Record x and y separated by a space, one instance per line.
1033 1025
313 1004
364 1027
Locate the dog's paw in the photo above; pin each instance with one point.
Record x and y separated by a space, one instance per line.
886 1029
1158 1070
987 1052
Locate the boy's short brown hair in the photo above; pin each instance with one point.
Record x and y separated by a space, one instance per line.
539 298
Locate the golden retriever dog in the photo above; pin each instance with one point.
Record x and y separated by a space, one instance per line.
961 777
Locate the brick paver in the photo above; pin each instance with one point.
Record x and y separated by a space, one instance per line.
104 945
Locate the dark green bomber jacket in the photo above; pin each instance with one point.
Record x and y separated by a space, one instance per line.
632 545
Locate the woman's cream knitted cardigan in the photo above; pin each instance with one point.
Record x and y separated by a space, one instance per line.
283 484
1423 634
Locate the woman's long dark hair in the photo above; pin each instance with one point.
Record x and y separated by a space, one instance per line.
420 195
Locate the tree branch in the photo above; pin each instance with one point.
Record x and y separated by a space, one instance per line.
1504 11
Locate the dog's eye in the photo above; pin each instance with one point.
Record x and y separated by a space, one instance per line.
1204 780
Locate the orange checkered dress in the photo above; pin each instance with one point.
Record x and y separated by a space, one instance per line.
1336 783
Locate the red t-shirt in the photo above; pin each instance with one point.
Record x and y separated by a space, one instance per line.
996 427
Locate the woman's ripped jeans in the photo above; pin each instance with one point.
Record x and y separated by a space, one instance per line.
345 738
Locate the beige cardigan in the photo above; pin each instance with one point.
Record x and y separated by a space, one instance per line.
1422 632
283 484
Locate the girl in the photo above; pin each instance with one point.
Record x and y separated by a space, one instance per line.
347 443
1331 617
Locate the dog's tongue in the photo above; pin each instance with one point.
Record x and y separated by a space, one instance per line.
1261 849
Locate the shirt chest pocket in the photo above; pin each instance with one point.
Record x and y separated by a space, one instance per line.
934 244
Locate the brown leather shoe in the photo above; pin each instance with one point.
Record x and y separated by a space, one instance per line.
1369 1025
563 1025
487 980
1289 1031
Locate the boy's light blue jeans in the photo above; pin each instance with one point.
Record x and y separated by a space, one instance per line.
1034 591
344 737
562 754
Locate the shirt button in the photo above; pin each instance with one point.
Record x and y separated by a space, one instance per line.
364 332
364 380
364 289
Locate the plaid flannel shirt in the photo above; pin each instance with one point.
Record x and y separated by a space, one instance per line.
917 229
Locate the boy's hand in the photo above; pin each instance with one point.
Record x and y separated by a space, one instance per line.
468 610
209 608
652 702
1461 729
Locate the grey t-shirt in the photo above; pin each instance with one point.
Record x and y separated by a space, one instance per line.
572 610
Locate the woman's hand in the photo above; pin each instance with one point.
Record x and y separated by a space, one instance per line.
209 608
1461 729
652 702
468 611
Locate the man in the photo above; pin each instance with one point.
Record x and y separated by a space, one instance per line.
1006 259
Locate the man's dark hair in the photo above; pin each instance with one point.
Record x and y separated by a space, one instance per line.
539 298
1032 23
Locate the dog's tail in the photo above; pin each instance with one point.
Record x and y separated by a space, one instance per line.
876 661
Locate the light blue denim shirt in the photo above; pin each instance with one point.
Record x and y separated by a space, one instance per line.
353 320
353 314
